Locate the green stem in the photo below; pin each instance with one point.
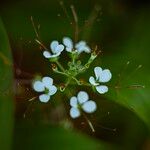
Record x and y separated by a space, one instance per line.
87 65
77 81
68 81
60 66
73 59
81 84
62 73
86 84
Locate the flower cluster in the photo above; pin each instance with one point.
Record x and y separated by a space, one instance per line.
79 47
57 48
80 103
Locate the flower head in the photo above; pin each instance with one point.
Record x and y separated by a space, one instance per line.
82 47
79 47
81 102
102 76
56 49
46 86
68 43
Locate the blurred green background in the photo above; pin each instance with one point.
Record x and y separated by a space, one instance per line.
121 29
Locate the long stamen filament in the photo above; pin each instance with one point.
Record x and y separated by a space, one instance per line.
89 123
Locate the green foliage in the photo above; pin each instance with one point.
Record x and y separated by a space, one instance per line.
134 82
31 136
28 136
133 46
6 89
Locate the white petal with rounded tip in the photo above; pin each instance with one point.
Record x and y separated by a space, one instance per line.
80 49
92 81
80 44
38 86
68 42
83 48
52 90
47 54
98 72
89 106
55 55
73 101
102 89
74 113
44 98
82 97
87 49
105 76
69 49
58 49
47 81
53 45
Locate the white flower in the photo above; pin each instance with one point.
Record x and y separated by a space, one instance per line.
46 86
82 47
68 43
79 47
56 49
81 102
102 76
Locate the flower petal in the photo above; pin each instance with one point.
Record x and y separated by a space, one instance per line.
52 90
55 55
38 86
47 81
98 72
47 54
68 43
44 98
53 45
80 49
80 44
89 106
102 89
93 81
82 97
74 113
68 49
105 76
73 101
58 49
87 49
84 49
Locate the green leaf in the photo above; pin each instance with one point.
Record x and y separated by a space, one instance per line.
136 50
6 91
44 137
